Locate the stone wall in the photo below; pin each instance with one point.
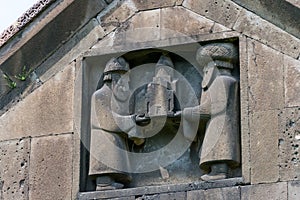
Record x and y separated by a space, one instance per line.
42 131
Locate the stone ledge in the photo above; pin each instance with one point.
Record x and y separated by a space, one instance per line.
200 185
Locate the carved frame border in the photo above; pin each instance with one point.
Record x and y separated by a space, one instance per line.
81 110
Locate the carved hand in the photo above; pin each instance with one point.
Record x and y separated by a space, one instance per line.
142 120
177 114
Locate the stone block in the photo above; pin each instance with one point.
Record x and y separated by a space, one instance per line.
224 12
291 81
265 77
230 193
50 175
125 198
289 144
166 196
264 147
274 191
14 166
244 97
179 21
293 190
152 4
82 41
47 110
144 26
118 13
269 34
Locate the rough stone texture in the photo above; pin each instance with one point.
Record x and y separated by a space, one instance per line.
294 190
244 97
168 196
114 17
163 24
152 4
179 21
81 42
48 110
224 12
262 30
231 193
265 77
264 147
289 144
275 191
51 167
144 26
160 189
279 12
51 34
125 198
291 81
14 164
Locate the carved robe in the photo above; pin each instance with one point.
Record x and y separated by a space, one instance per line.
108 149
221 141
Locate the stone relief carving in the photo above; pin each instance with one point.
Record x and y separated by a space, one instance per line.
121 118
219 103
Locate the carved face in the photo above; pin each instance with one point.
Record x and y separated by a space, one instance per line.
120 87
209 73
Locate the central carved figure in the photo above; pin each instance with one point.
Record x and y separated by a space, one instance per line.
114 125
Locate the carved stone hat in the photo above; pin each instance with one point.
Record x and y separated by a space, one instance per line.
116 64
165 60
220 54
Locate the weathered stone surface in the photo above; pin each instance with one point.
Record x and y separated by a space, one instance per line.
262 30
173 188
219 28
51 30
51 167
265 77
293 190
144 26
48 110
152 4
224 12
230 193
264 147
244 97
125 198
4 85
81 42
289 144
274 191
118 13
279 12
163 23
167 196
179 21
291 81
14 166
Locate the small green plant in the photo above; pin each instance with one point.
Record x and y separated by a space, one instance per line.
12 84
24 74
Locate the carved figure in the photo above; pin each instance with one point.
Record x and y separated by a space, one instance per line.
110 126
220 104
